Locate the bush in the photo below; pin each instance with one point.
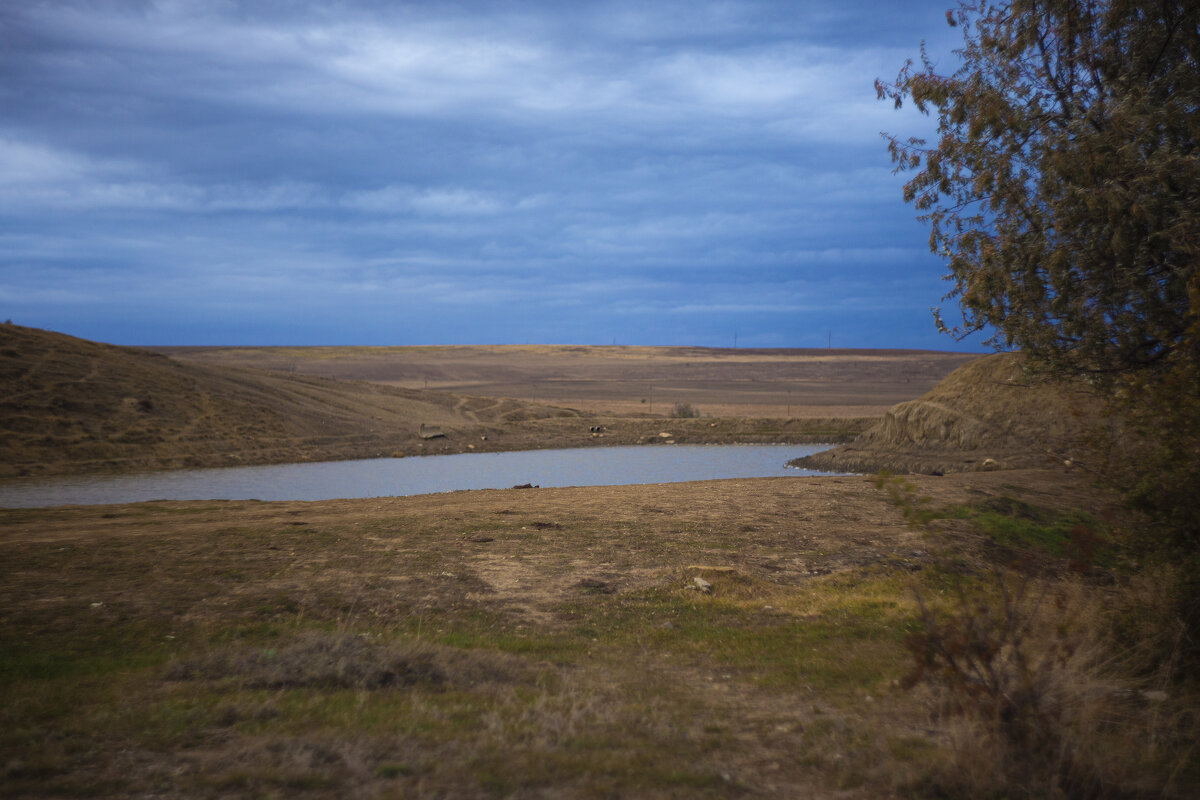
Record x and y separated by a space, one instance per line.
1022 674
684 411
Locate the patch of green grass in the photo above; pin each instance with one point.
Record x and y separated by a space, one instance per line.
389 771
852 642
92 650
1012 523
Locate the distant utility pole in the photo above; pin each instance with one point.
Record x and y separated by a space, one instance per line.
735 333
829 342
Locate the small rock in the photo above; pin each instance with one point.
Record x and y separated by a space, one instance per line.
431 432
665 435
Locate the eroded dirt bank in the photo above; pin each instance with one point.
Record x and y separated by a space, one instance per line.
991 413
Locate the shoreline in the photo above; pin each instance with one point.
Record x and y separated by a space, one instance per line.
545 434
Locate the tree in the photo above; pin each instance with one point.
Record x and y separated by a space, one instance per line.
1064 187
1064 193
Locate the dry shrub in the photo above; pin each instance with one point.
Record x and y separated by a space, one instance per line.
684 411
1034 705
565 712
1146 630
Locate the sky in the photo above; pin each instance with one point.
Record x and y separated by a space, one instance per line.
398 173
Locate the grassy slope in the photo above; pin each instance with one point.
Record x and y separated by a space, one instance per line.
72 405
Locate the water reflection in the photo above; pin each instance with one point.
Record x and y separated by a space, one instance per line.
380 477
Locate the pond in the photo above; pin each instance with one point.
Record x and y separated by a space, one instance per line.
389 477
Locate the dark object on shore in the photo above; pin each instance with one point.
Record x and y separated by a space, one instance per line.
431 432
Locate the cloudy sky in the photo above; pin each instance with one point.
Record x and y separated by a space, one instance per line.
355 172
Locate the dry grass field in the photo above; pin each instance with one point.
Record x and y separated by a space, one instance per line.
625 381
523 644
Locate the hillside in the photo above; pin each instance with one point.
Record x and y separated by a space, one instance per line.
70 405
989 408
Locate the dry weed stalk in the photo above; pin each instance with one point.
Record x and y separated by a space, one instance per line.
1034 703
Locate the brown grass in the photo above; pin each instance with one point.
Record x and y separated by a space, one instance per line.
626 381
1052 710
490 644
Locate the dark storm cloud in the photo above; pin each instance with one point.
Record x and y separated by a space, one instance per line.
397 173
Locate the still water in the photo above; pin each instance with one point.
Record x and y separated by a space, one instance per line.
388 477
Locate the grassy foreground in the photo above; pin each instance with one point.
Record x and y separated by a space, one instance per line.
527 643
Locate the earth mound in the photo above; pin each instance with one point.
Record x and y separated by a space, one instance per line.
69 405
990 413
